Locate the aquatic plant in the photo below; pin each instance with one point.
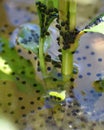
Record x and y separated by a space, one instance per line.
37 70
64 13
59 17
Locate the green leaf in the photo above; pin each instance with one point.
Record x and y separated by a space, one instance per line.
96 25
97 28
15 68
11 63
26 84
28 37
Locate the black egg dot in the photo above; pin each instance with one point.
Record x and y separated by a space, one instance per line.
5 62
34 85
13 73
72 79
38 63
9 103
23 115
62 23
48 68
32 102
74 113
19 50
29 52
58 39
4 82
39 108
58 98
22 107
47 33
22 72
58 26
54 79
60 57
48 58
20 98
38 98
60 50
23 82
35 58
9 95
5 25
57 65
37 91
12 112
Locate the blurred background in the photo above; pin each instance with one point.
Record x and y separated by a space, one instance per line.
16 12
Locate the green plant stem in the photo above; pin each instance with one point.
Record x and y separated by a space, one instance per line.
72 13
41 56
67 64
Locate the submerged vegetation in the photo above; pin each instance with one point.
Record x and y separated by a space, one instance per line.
37 70
57 30
63 16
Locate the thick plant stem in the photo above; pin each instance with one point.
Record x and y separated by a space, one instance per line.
41 56
67 64
72 13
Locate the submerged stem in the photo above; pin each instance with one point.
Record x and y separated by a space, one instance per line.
72 13
41 56
67 64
